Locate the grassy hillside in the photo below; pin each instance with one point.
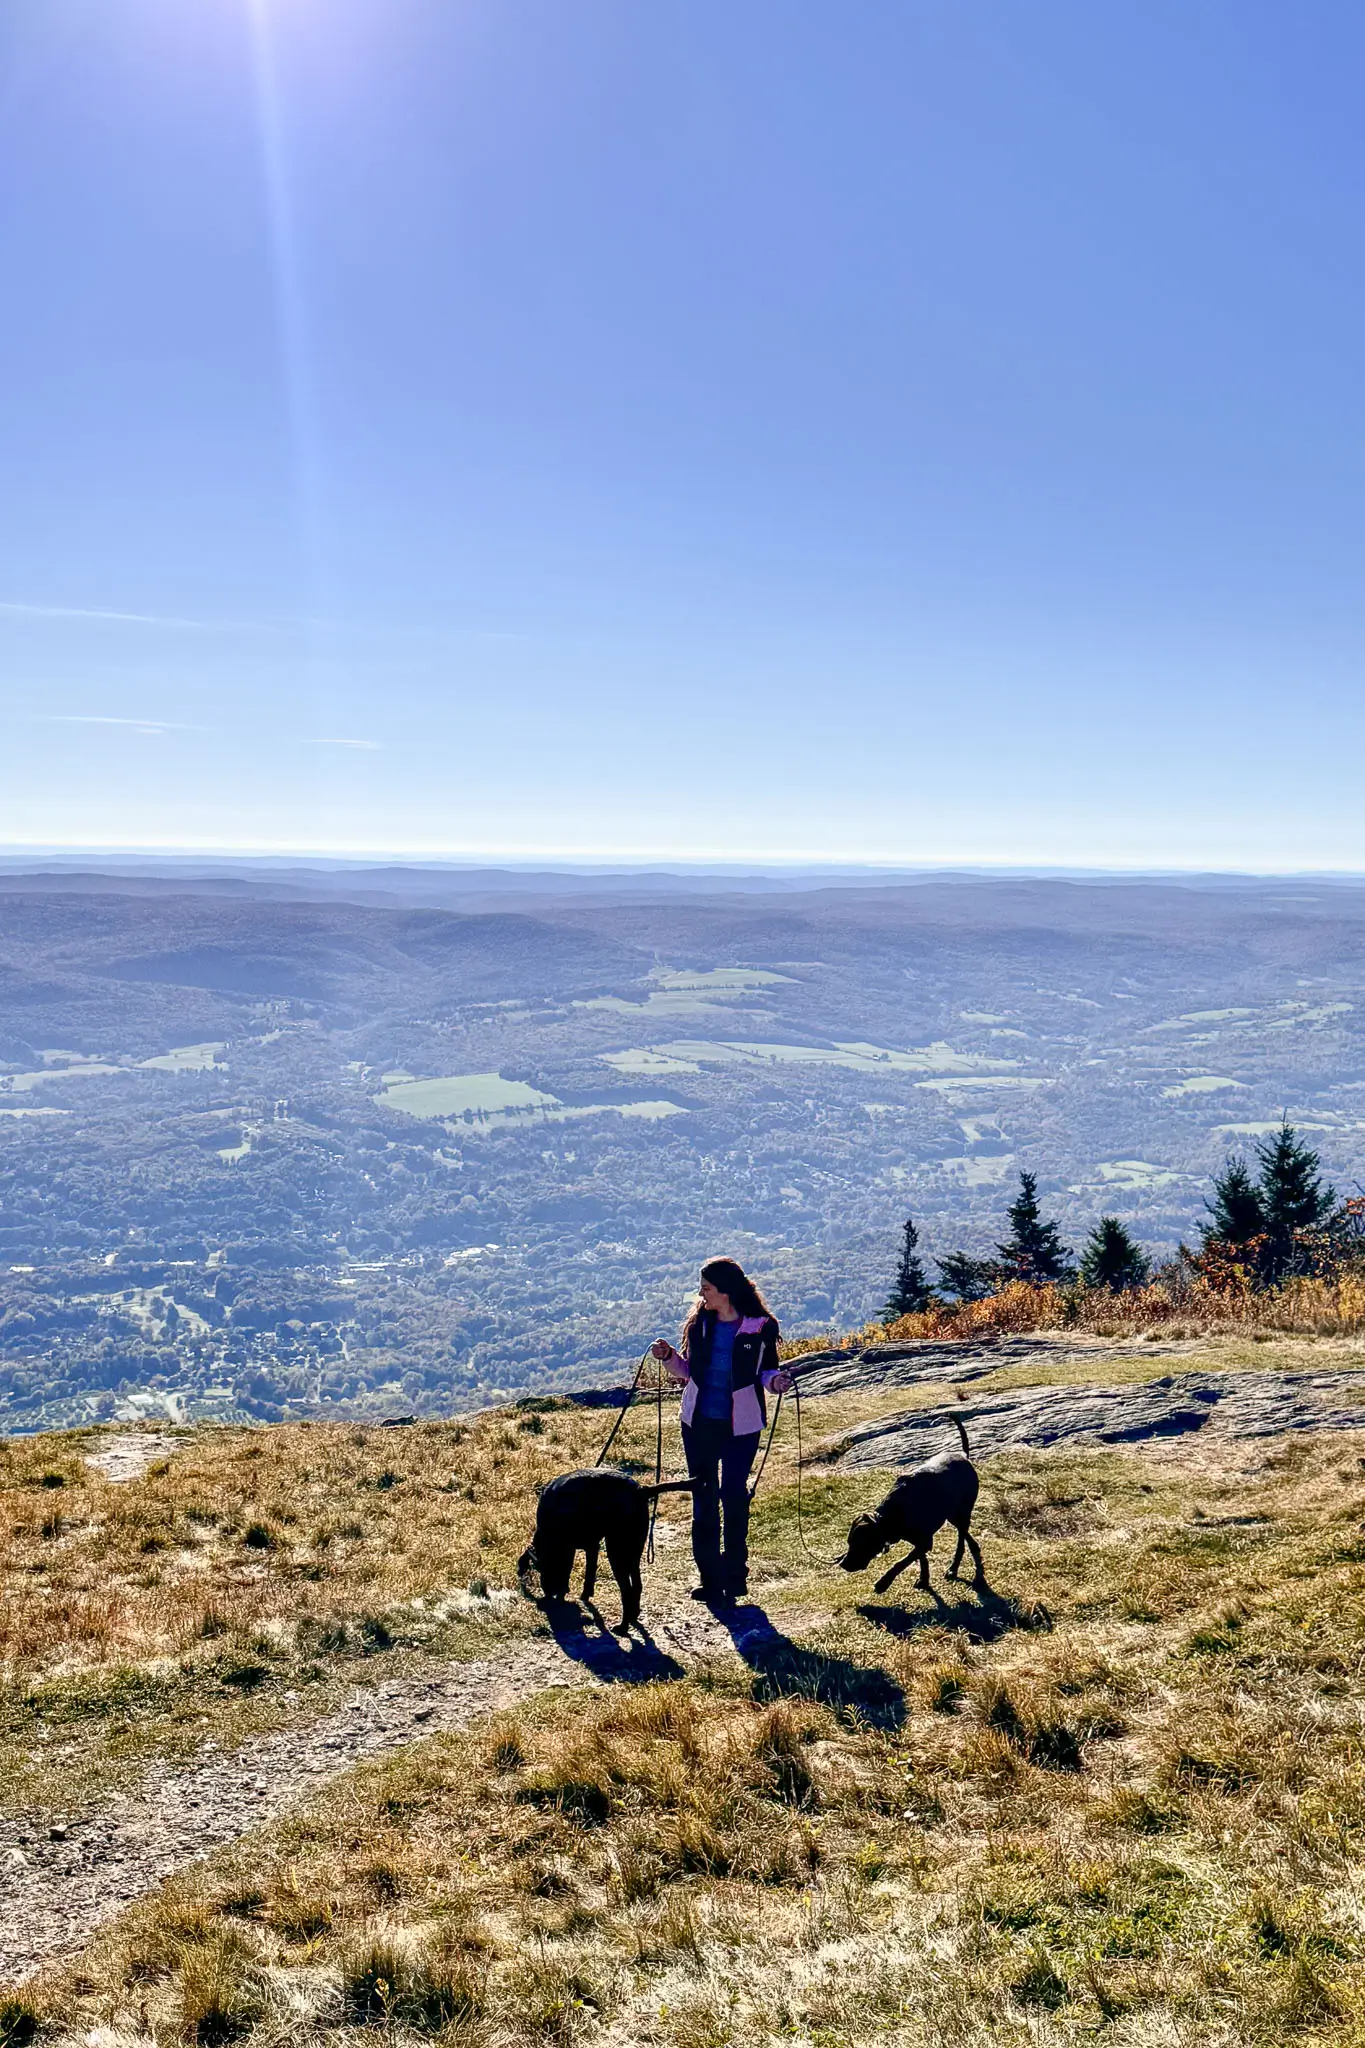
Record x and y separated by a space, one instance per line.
1119 1793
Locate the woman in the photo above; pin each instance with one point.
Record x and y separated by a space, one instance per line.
729 1360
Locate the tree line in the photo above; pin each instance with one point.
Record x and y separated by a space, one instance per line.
1269 1221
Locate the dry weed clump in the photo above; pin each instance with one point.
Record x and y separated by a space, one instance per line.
1190 1308
1148 1818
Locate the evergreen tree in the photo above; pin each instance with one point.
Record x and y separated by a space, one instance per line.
1112 1259
1235 1215
966 1278
911 1291
1293 1200
1033 1251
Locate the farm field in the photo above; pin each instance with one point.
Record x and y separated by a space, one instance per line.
453 1094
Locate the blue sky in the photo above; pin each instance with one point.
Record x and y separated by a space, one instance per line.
709 428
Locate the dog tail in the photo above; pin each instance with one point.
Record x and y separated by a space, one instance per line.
966 1447
671 1486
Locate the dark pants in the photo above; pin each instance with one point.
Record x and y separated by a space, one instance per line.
721 1462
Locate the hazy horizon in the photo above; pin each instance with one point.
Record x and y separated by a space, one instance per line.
552 860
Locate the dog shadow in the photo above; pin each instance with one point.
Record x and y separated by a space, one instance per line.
783 1669
635 1659
982 1618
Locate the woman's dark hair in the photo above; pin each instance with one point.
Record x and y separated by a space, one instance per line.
727 1276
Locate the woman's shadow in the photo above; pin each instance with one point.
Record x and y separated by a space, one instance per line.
786 1670
781 1668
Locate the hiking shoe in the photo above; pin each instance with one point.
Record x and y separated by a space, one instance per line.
713 1596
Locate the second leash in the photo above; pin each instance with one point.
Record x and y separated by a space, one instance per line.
822 1562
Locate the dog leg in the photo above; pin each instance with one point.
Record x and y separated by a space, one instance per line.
956 1565
590 1551
625 1565
631 1595
888 1579
977 1560
555 1564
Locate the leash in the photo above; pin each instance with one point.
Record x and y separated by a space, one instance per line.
658 1449
823 1562
772 1432
614 1431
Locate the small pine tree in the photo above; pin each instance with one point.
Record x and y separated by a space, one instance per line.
1235 1214
966 1278
1293 1199
1033 1251
911 1292
1112 1259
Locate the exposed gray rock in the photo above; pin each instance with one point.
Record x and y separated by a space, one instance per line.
1227 1404
926 1360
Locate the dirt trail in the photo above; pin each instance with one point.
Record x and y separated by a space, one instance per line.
128 1456
58 1884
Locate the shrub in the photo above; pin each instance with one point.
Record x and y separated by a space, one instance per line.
1041 1984
585 1800
505 1750
380 1985
219 2001
18 2023
779 1746
375 1634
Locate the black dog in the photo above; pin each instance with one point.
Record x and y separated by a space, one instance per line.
943 1490
582 1511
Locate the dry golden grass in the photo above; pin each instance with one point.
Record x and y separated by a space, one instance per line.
248 1564
254 1575
1123 1795
1324 1308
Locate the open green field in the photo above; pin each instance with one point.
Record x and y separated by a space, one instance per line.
1135 1173
1201 1084
721 979
187 1059
687 1054
454 1094
22 1084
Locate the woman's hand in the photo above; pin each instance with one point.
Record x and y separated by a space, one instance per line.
781 1382
661 1349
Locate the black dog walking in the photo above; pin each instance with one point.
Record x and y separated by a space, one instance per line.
942 1490
585 1511
728 1359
